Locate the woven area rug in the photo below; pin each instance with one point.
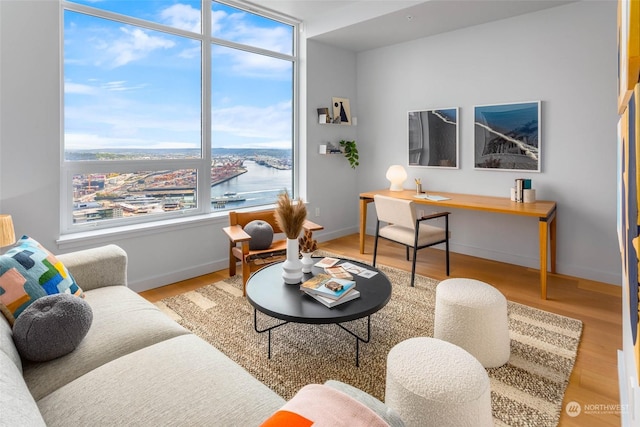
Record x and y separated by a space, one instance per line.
527 391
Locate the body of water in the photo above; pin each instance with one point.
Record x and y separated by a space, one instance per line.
259 186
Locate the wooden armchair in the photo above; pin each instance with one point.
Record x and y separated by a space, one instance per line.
253 260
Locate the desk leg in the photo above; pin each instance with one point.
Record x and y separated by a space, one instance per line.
552 242
543 231
363 222
547 231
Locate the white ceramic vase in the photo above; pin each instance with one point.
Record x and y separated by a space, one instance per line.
292 267
307 262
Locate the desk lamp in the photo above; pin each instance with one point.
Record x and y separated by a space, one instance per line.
397 176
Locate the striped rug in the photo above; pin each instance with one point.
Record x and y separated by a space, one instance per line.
527 391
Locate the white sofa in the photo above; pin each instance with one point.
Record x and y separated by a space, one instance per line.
134 367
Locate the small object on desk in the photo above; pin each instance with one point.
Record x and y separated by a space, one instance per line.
529 196
418 186
432 197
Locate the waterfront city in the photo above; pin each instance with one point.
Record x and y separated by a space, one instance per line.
239 178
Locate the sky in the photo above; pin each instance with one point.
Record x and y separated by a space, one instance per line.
127 86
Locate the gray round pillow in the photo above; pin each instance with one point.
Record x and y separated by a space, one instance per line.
52 326
261 234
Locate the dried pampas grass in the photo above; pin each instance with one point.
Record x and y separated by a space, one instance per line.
290 215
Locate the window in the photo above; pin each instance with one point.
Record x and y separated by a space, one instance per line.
170 110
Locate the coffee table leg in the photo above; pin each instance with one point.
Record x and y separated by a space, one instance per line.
359 338
268 330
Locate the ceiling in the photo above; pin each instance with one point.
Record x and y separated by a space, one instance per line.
368 24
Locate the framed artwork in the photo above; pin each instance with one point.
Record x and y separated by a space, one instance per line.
433 138
341 111
507 136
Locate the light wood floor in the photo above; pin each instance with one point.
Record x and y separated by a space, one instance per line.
594 380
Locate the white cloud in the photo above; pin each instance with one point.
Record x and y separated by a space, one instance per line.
182 16
135 44
79 89
86 141
259 123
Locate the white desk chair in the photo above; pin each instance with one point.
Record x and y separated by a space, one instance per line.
404 227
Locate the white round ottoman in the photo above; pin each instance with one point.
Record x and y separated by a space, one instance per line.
473 315
431 382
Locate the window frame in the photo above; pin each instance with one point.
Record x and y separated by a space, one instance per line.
203 164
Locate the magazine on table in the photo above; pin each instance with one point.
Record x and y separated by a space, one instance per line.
339 272
329 302
327 262
357 270
327 286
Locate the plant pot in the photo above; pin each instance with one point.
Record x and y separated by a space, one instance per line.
292 267
307 262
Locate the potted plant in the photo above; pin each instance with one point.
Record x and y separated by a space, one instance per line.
307 246
350 151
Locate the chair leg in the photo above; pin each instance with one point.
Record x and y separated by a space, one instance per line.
447 255
413 264
232 263
375 244
407 248
446 235
246 272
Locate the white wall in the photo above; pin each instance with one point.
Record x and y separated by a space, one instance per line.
565 57
332 183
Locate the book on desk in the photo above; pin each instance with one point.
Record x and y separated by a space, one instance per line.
432 197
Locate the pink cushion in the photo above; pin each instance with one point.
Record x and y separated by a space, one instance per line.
324 406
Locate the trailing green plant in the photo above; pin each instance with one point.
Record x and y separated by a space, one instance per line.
350 152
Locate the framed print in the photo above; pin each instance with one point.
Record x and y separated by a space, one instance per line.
433 138
507 137
341 111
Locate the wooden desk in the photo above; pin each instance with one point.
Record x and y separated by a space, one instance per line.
545 211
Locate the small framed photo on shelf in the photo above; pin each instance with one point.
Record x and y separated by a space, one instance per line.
323 116
341 111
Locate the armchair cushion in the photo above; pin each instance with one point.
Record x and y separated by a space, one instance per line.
261 234
27 272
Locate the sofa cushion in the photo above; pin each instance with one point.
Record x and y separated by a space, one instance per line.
51 327
17 407
390 416
181 381
323 406
123 322
7 346
27 272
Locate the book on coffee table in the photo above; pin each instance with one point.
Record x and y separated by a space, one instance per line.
350 295
327 286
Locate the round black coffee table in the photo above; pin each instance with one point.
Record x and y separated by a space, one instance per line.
267 293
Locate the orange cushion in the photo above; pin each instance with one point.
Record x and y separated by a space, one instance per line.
288 419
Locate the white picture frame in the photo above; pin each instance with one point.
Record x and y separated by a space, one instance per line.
433 138
507 137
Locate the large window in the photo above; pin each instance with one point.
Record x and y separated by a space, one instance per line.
174 107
